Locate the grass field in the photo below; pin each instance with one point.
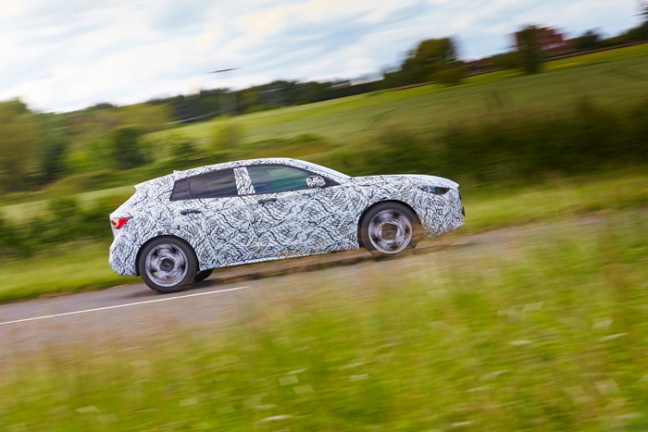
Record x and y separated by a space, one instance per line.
547 333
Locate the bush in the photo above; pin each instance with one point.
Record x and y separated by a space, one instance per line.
450 76
392 150
65 221
126 147
532 146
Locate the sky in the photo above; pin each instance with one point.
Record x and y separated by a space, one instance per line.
63 55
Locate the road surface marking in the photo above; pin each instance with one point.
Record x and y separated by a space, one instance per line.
122 305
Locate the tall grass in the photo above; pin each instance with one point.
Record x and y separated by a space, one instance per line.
545 332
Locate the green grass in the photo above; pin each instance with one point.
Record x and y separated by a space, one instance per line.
612 55
547 333
82 268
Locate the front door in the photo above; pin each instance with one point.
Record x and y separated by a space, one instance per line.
291 219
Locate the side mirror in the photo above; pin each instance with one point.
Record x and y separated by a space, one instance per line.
315 182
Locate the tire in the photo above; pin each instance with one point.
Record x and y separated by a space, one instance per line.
202 275
167 264
388 229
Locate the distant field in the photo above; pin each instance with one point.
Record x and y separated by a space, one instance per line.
614 77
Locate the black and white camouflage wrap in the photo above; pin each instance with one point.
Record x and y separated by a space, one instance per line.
255 227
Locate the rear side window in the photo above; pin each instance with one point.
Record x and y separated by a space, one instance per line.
211 185
181 190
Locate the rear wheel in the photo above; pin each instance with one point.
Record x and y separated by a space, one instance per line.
167 264
388 229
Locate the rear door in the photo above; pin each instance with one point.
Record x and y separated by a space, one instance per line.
214 217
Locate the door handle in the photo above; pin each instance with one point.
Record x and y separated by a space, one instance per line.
267 200
189 211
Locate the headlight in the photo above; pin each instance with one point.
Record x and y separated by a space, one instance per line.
437 190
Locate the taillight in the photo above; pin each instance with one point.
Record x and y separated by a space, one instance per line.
118 222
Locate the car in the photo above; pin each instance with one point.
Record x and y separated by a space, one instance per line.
174 230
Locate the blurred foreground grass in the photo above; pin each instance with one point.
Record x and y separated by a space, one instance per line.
77 267
546 331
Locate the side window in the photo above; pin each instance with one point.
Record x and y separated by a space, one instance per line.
211 185
277 178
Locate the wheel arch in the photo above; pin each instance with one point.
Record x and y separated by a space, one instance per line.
147 242
417 220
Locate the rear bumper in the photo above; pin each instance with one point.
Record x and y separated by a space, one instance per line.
123 258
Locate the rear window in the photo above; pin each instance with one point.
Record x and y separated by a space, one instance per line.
211 185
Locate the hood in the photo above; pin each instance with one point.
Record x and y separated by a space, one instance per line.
414 179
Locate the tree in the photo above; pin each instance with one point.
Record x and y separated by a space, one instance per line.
587 41
20 145
250 101
309 92
507 60
54 147
642 29
430 56
449 76
126 147
530 53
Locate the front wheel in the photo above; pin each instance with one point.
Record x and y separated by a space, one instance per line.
167 264
388 229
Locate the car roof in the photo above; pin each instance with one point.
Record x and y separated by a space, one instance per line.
235 164
322 170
